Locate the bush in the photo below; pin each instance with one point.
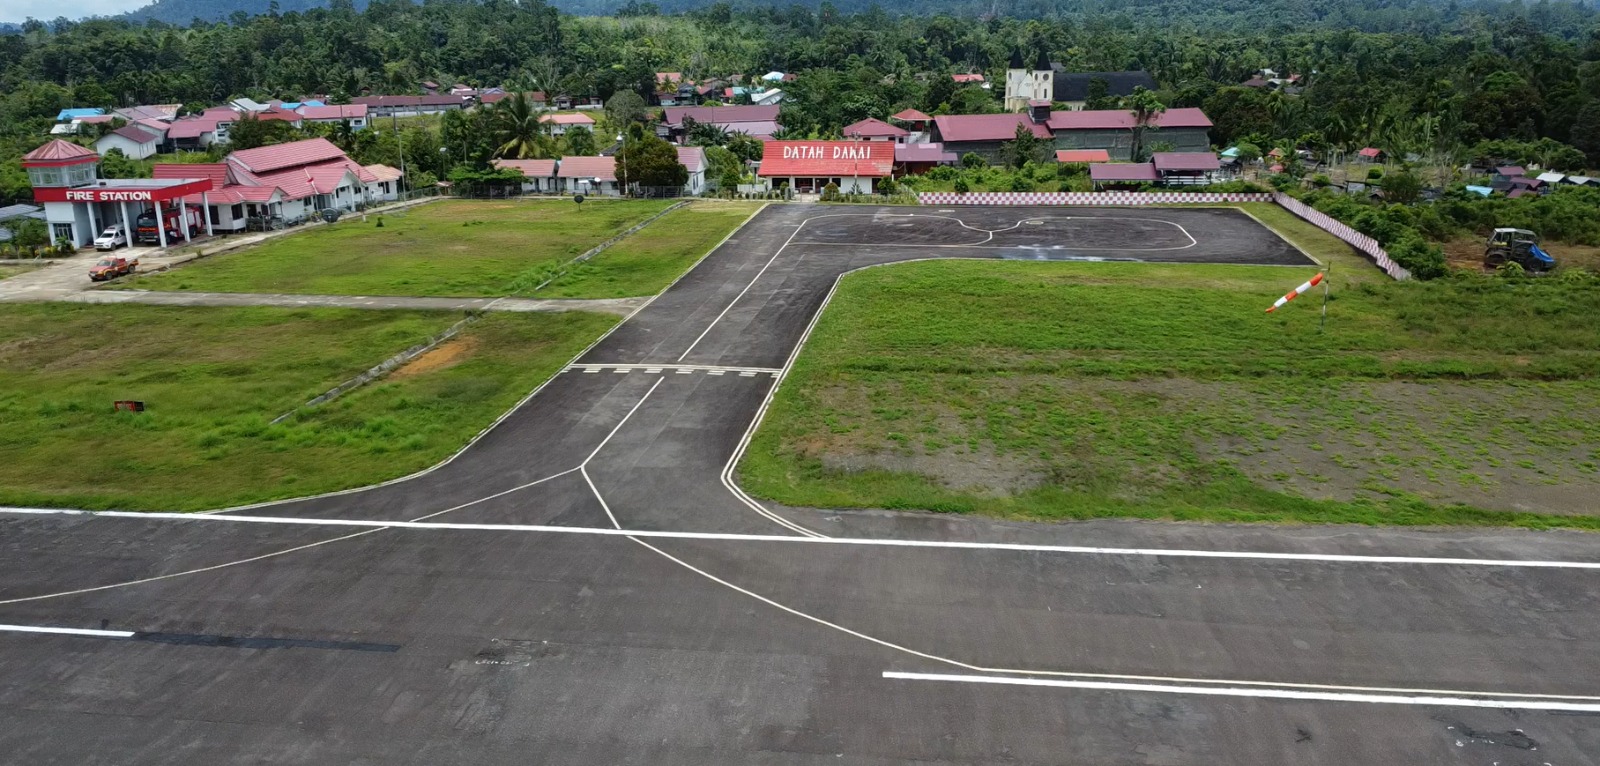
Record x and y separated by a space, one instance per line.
1021 183
973 161
962 187
887 186
830 193
943 173
1374 174
1321 180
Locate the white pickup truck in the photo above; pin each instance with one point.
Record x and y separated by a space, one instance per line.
112 238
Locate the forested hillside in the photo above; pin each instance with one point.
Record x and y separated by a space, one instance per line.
1424 79
1379 15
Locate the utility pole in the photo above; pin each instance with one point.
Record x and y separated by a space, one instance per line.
401 137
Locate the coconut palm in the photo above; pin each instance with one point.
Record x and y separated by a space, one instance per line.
518 133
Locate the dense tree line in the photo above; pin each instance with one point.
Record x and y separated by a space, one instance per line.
1434 79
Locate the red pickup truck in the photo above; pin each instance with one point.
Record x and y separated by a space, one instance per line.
111 267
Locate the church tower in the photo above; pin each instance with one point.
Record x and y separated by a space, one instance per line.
1024 85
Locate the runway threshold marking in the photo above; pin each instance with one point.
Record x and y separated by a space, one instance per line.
1472 699
681 369
855 541
67 631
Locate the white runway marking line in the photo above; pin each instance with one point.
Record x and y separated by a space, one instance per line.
682 369
1344 558
1487 700
67 631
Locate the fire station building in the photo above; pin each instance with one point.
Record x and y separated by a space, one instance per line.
78 204
272 185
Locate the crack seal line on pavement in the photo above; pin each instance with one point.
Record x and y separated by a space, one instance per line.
224 565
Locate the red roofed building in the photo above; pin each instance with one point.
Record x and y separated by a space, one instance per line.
808 166
286 181
965 79
693 159
538 176
78 204
755 121
589 175
1123 175
912 119
561 123
872 129
1187 130
355 114
1082 156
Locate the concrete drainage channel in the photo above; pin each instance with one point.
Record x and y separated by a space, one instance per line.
400 359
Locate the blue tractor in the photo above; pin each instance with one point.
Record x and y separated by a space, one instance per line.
1518 246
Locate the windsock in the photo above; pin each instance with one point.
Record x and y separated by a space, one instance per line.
1295 293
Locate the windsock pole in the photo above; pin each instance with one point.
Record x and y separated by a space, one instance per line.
1295 293
1323 323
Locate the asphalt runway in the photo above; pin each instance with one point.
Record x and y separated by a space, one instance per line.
755 634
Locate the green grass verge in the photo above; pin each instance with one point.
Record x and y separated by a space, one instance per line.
1069 391
213 378
645 263
1319 244
454 248
13 269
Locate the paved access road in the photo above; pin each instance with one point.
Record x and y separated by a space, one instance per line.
340 643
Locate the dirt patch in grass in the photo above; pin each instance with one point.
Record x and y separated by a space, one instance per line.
1467 253
447 354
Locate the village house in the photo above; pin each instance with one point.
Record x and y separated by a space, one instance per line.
755 121
589 176
134 140
1184 130
538 176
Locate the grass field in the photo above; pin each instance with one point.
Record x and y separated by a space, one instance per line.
646 263
13 269
1069 390
213 378
455 248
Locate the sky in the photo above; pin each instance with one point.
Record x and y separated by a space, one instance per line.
46 10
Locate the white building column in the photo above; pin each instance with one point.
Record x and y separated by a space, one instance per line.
161 224
205 210
94 219
127 230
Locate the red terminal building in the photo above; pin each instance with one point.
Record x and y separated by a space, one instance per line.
808 166
78 204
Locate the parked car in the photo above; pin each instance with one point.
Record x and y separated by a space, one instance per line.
112 238
113 266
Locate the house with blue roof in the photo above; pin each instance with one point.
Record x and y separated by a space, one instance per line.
68 115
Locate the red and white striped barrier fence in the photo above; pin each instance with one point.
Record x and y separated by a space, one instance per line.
1089 198
1362 243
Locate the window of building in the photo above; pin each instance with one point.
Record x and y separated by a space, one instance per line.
78 175
44 176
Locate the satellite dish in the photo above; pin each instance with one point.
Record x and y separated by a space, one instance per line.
578 199
331 214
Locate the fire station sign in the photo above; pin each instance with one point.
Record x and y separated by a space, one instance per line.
104 195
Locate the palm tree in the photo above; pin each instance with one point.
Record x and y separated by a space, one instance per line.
518 132
1146 107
